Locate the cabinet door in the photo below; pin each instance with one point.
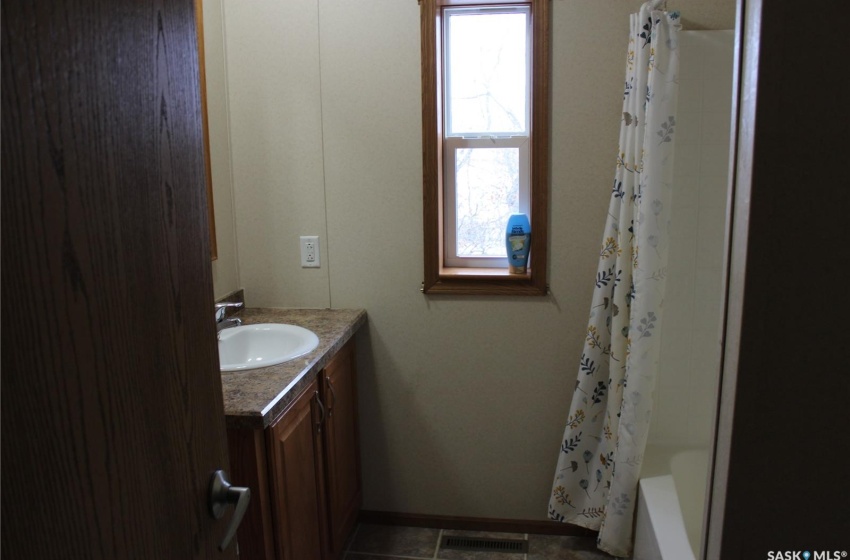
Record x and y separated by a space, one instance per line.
295 460
342 447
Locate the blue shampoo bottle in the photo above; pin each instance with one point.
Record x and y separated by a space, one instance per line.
518 243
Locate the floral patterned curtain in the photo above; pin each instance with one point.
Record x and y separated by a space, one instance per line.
600 458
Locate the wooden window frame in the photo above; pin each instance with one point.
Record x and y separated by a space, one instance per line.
440 279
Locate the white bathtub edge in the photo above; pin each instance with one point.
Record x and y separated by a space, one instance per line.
658 507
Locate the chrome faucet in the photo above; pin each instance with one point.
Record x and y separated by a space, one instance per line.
220 311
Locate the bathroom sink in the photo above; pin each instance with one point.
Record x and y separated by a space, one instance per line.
263 344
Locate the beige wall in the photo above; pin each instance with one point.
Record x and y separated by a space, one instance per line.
225 268
463 400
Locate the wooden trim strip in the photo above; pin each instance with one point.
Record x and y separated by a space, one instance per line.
474 523
540 147
205 123
431 144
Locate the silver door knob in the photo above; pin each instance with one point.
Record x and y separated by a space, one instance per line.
222 494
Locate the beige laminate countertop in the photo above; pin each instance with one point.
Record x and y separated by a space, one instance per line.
254 398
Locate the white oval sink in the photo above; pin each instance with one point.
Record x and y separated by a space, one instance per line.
263 344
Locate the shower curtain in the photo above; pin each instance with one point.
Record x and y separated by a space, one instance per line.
600 457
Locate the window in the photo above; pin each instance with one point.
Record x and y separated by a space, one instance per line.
485 141
485 123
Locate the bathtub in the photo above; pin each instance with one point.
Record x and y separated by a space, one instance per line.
671 500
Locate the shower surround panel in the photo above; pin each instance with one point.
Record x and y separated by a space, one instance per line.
690 350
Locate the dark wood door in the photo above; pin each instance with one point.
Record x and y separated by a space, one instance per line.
295 459
341 447
112 410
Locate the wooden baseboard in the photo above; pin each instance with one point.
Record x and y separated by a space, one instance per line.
474 523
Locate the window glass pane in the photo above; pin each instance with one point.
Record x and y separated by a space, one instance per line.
486 194
487 79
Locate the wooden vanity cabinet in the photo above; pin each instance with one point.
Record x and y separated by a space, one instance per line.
303 471
296 481
341 447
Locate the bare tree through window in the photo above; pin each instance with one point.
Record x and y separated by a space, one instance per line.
487 107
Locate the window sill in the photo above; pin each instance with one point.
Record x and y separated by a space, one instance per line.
484 281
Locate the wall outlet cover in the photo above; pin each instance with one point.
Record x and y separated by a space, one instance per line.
310 254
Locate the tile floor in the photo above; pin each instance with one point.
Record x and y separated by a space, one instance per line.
386 542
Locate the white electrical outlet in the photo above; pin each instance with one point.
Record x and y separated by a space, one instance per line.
310 251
